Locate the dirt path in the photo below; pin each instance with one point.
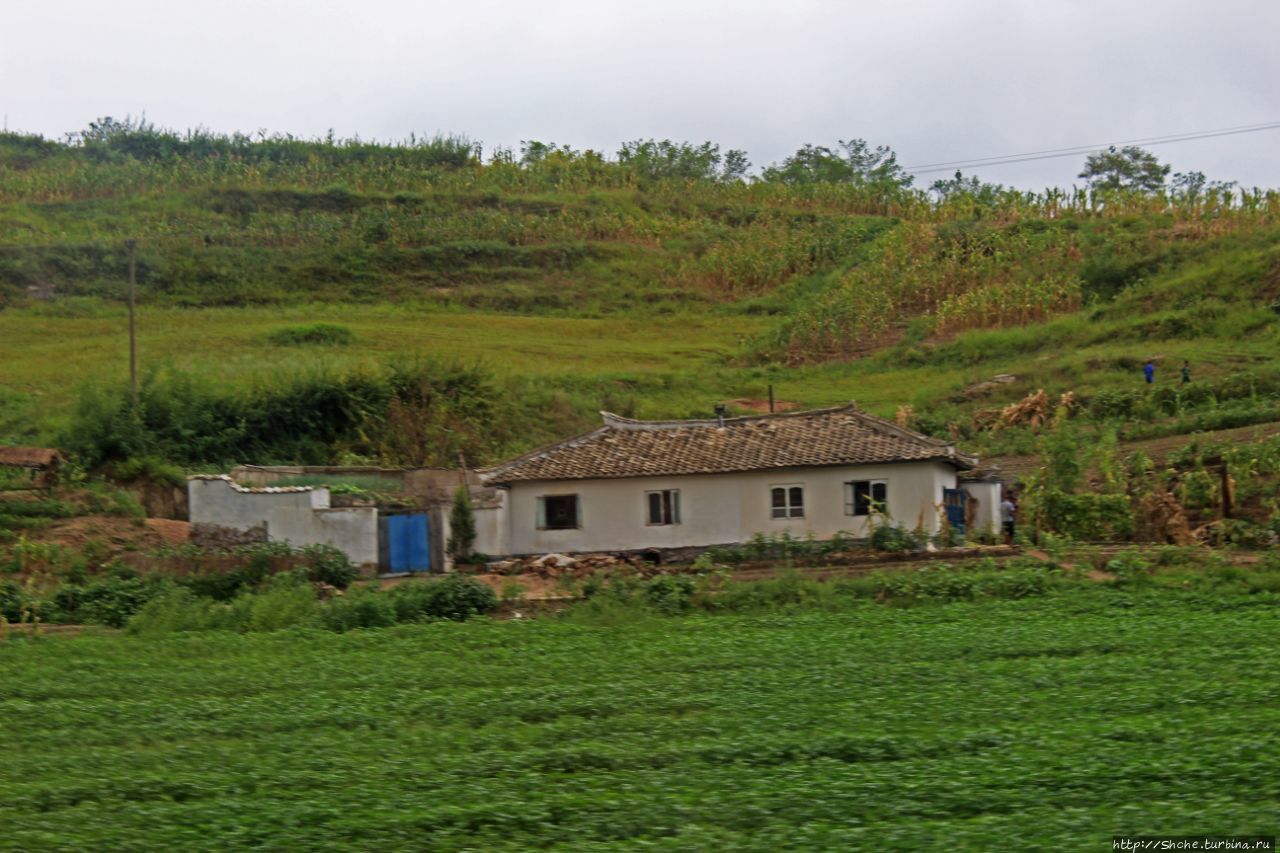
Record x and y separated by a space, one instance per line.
1013 467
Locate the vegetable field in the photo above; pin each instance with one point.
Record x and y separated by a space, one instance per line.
1049 723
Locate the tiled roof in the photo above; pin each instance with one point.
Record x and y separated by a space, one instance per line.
629 448
30 457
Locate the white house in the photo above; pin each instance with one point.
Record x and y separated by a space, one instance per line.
632 485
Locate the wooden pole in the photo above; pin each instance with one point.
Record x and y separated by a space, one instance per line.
771 398
131 245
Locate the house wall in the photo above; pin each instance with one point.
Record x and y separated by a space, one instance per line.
493 533
720 508
986 515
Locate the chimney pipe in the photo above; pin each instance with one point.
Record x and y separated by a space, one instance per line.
720 410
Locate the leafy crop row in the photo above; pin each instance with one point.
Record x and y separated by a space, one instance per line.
1049 722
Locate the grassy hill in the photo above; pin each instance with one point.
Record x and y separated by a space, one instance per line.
502 303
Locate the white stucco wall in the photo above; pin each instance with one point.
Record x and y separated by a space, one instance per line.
216 500
352 530
719 508
986 516
492 529
299 516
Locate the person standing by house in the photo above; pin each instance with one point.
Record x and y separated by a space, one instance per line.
1008 509
1149 370
1186 372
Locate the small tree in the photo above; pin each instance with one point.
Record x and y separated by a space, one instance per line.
852 161
1127 168
462 527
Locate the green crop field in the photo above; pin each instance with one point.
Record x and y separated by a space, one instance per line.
1050 723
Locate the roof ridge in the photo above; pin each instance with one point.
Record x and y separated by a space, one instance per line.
902 432
620 422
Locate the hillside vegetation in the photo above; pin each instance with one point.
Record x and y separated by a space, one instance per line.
483 304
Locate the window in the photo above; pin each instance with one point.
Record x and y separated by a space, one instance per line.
558 512
663 507
862 497
787 501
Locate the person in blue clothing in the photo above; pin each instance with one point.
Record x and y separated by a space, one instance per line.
1149 370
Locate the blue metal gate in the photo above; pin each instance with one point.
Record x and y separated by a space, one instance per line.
956 502
408 548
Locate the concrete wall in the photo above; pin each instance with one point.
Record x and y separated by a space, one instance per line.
493 533
432 486
984 499
352 530
299 515
217 500
715 508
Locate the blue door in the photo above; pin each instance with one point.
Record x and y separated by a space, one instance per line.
956 501
407 543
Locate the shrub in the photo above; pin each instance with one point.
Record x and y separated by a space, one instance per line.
462 526
13 601
108 602
326 564
176 610
313 334
670 594
1130 567
289 602
894 537
456 597
360 609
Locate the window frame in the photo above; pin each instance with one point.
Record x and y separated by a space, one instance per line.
541 517
789 509
668 507
851 497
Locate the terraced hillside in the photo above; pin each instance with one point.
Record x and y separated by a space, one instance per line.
503 301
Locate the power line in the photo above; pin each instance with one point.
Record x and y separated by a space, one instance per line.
1075 151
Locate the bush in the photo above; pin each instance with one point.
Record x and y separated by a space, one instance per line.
289 602
670 594
456 597
13 601
360 609
326 564
894 537
462 527
177 610
108 602
313 334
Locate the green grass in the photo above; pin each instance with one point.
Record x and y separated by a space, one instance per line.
1047 723
582 285
48 356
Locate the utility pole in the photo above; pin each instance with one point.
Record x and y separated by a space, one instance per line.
132 245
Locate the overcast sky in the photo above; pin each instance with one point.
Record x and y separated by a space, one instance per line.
937 80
